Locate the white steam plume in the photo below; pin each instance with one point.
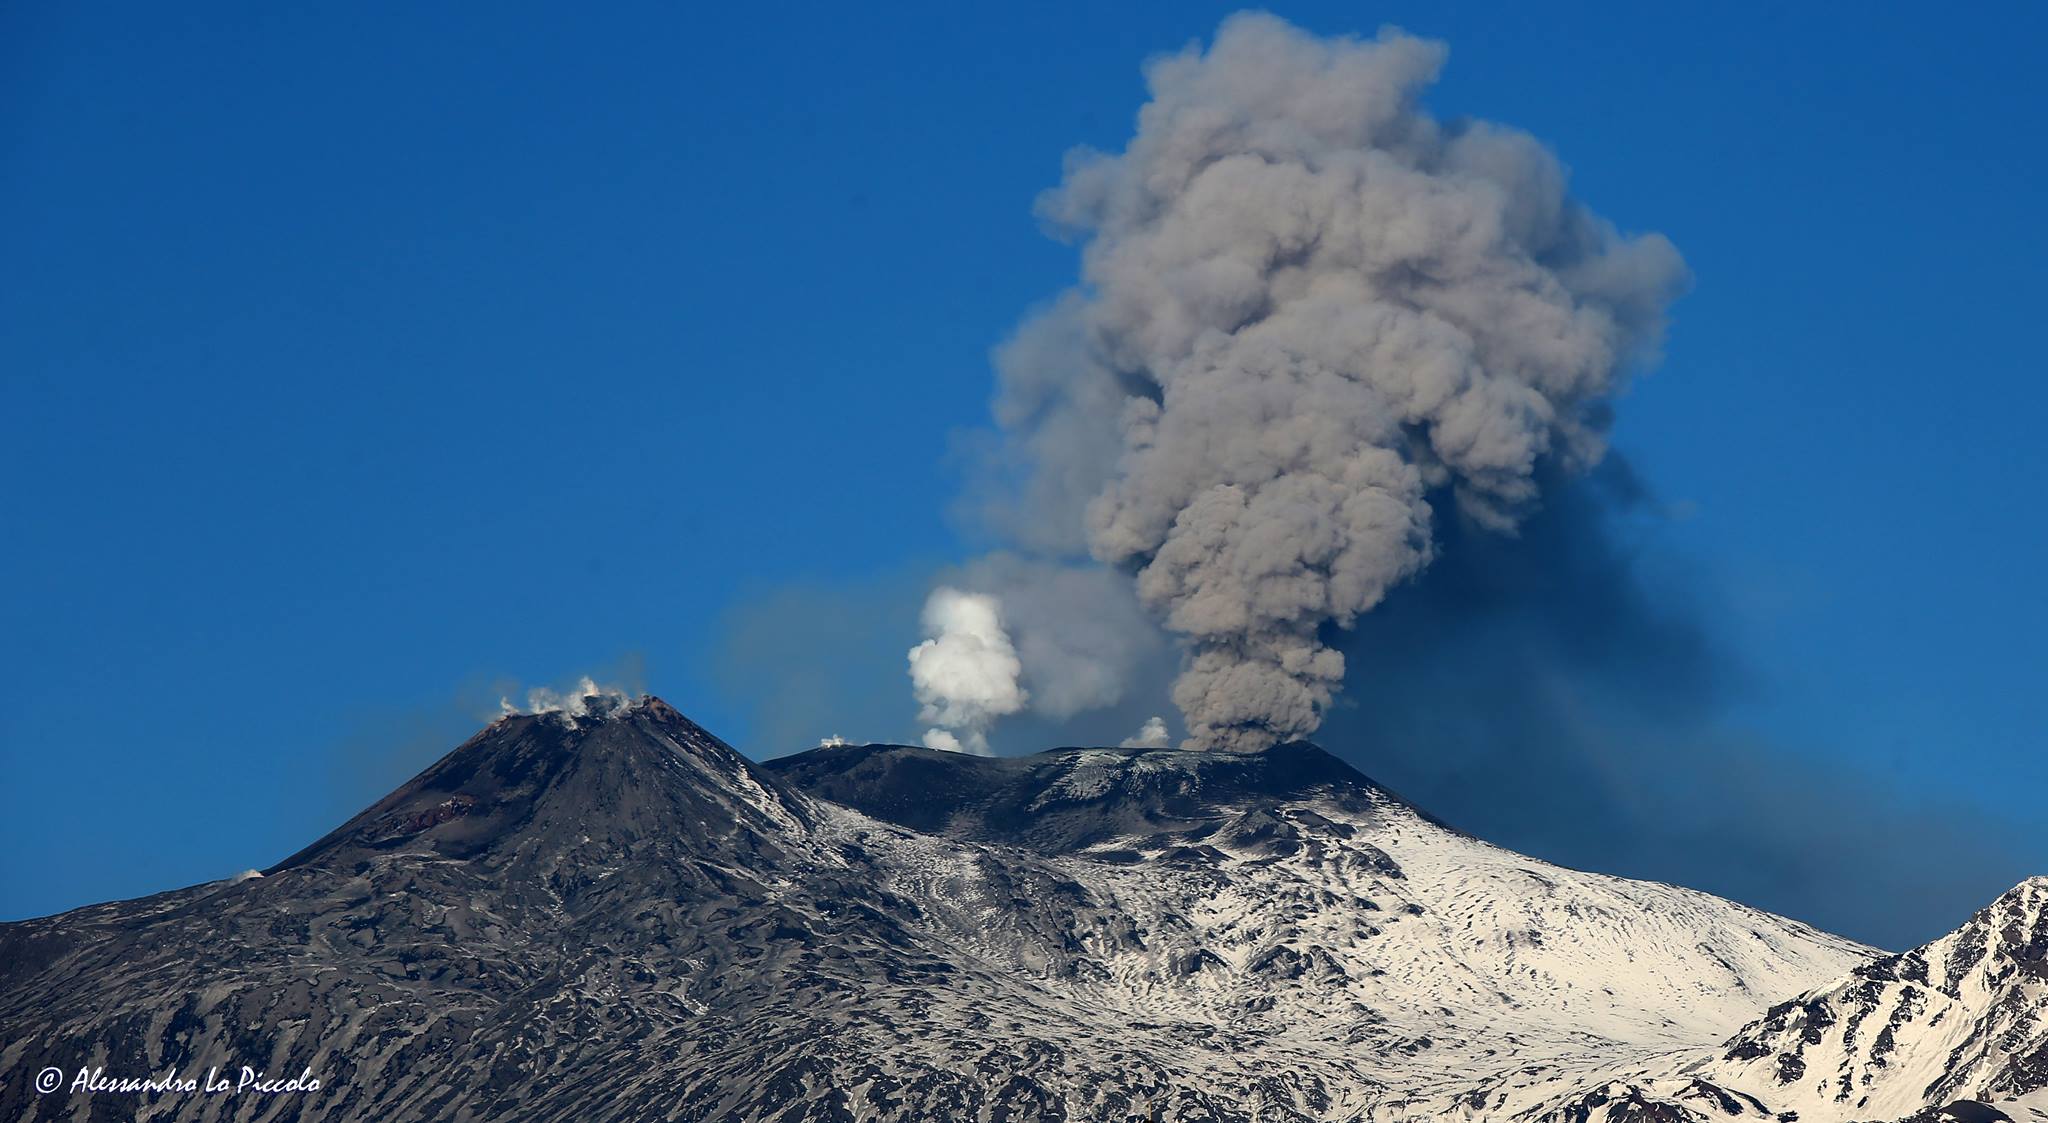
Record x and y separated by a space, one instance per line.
582 700
966 673
1307 308
1151 735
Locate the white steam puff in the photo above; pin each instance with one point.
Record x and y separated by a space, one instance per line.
1307 307
1151 735
966 673
579 701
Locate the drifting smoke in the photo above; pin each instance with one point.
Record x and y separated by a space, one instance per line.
1076 632
1151 735
1080 633
1307 311
966 672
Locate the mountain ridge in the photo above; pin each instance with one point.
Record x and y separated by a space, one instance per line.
612 914
1029 799
520 763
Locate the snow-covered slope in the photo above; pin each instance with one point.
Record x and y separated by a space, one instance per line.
1282 899
613 916
1955 1031
1964 1017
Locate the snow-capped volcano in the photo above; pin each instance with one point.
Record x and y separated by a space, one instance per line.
615 916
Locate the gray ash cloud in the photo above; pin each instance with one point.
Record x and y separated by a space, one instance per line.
1309 315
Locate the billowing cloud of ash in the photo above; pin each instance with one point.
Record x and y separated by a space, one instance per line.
1308 313
966 671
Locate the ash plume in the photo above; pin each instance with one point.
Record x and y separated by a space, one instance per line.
1309 314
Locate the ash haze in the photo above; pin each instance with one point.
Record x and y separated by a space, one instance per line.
370 365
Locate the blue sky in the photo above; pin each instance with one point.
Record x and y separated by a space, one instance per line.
362 364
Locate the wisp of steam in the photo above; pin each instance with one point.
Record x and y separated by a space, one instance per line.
586 698
1309 315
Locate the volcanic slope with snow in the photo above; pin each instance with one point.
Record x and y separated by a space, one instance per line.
1279 901
1964 1017
610 915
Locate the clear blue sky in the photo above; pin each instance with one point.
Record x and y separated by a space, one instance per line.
359 361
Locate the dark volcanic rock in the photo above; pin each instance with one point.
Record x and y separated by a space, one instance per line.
553 900
1072 799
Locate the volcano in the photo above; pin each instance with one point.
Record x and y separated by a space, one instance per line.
612 915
